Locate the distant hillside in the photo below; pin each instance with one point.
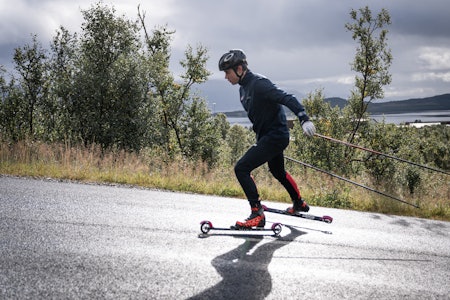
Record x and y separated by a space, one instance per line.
335 101
435 103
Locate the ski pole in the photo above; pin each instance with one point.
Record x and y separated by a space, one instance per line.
350 181
379 153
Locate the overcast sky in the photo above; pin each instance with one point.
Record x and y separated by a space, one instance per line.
301 45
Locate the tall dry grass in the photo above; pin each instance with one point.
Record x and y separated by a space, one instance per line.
155 169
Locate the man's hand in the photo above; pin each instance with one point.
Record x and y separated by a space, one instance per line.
308 128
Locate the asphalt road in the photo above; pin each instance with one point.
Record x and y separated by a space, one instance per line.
78 241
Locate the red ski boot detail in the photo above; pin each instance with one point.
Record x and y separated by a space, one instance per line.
256 219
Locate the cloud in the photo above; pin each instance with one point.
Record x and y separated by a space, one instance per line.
434 58
431 76
426 19
300 45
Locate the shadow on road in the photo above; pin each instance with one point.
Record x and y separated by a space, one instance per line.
244 272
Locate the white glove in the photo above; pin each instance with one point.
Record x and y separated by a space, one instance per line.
308 128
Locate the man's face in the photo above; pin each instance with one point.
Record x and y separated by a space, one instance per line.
231 76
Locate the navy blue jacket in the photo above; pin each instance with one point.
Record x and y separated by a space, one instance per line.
263 101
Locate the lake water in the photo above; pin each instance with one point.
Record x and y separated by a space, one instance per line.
423 117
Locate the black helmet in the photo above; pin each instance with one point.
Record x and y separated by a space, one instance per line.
231 59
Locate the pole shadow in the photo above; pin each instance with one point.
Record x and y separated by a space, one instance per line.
245 274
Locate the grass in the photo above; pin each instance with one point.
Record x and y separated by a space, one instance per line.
151 169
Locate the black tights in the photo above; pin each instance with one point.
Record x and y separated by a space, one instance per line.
270 151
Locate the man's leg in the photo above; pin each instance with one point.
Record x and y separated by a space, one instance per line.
276 167
256 156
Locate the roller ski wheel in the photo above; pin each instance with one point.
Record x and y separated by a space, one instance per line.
205 226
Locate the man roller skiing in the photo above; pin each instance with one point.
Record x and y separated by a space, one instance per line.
263 101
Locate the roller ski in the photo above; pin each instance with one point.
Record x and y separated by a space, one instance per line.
275 229
299 212
255 222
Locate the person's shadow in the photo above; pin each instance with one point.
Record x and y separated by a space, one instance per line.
245 275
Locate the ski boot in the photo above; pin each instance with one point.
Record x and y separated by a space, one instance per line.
299 206
256 219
